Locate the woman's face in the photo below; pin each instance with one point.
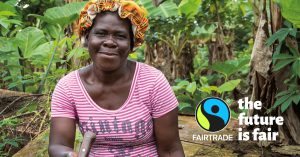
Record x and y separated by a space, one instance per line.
109 41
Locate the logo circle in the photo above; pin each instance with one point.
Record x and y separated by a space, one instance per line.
212 114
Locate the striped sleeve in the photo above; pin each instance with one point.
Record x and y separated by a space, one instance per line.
163 99
61 104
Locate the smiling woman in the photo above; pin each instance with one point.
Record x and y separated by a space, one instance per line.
130 106
109 41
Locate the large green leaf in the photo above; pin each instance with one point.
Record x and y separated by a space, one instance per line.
282 63
286 104
76 51
296 67
188 110
183 105
62 15
282 56
29 39
296 99
183 83
191 87
280 94
166 9
209 89
7 7
229 86
281 100
184 98
290 10
41 55
224 68
52 30
42 50
189 7
8 51
279 35
230 67
7 13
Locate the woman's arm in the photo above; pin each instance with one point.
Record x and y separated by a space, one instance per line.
62 136
167 135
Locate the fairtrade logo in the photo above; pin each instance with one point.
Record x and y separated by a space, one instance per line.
212 114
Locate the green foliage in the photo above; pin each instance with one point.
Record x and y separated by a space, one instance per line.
205 33
191 93
5 138
6 21
30 39
62 15
34 52
189 7
281 34
235 18
287 98
286 55
165 10
223 82
168 8
9 18
26 7
229 86
172 24
229 67
188 96
290 10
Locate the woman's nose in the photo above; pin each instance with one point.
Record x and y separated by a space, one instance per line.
109 42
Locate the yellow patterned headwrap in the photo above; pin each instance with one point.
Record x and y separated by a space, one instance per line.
125 8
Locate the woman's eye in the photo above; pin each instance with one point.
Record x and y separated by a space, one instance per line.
121 36
100 34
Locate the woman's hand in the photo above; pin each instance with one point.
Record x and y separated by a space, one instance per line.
72 154
167 135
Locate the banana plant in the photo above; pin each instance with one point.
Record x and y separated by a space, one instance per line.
189 7
165 10
178 35
169 8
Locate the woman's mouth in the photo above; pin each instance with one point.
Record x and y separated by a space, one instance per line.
108 53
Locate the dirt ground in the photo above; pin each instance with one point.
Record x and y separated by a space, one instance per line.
32 117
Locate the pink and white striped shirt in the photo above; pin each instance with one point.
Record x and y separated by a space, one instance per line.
127 131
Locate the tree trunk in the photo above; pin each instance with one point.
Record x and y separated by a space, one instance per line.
265 83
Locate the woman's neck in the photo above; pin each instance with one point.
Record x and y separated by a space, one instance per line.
110 77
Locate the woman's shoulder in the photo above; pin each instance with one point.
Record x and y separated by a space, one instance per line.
149 70
69 78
